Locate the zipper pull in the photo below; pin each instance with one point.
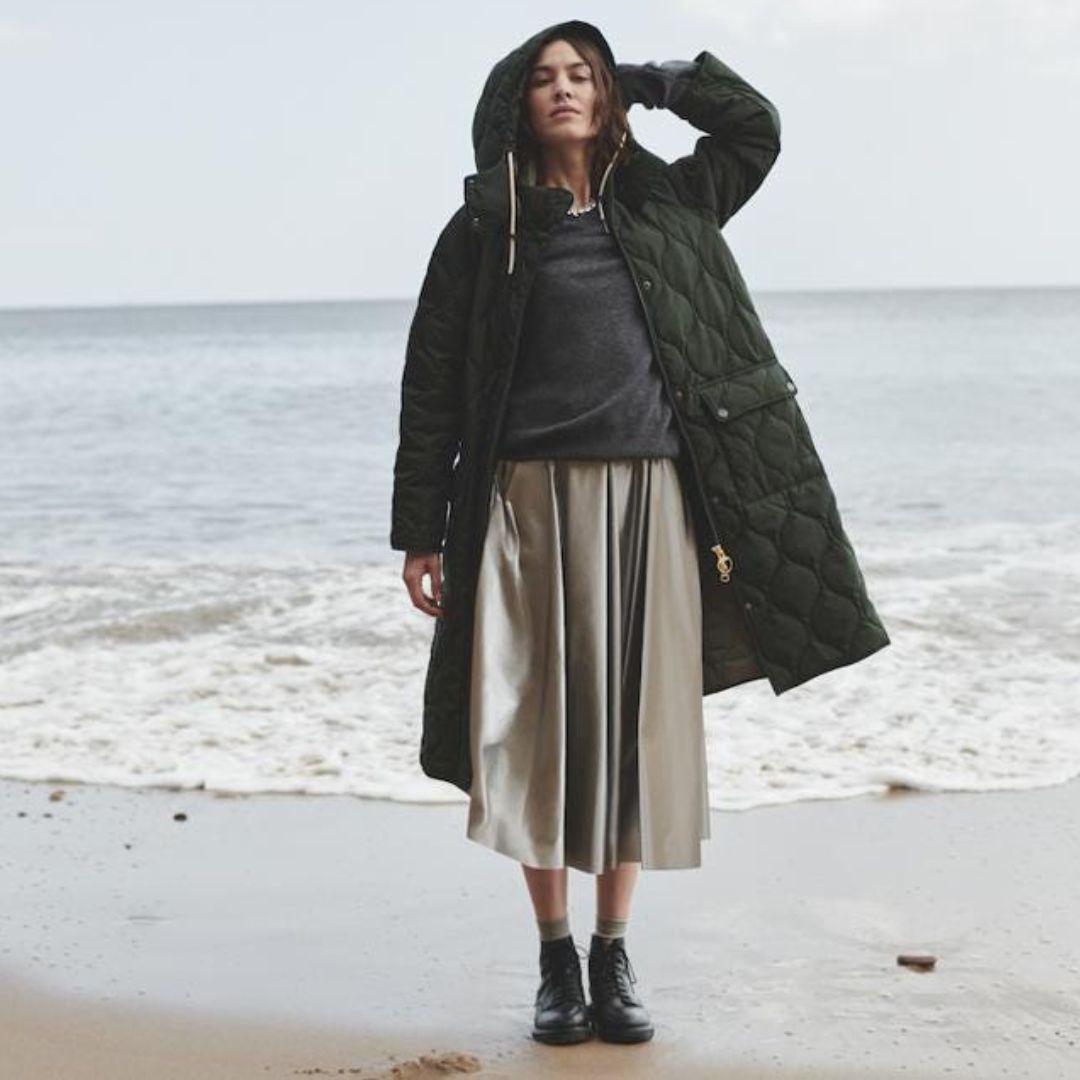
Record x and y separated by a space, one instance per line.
724 562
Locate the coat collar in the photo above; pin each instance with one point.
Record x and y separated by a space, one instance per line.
496 200
487 198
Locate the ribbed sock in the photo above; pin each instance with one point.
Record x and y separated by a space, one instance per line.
610 928
553 929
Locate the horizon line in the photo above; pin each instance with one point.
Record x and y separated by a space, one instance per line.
115 305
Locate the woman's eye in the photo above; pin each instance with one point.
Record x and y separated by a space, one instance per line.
573 78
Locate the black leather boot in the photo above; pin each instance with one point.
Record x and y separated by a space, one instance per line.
617 1013
562 1014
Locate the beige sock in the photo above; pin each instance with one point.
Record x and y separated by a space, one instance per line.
610 928
553 929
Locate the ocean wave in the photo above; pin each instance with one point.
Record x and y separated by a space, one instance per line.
307 677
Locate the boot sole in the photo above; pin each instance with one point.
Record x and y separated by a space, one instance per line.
626 1035
564 1036
621 1035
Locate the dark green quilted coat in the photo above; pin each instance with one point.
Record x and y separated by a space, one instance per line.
791 604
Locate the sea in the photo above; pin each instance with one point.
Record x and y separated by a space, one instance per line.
197 588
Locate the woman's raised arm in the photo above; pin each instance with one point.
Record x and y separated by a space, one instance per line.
742 128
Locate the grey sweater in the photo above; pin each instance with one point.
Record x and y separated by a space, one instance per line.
586 384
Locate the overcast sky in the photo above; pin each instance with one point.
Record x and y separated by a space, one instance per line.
182 150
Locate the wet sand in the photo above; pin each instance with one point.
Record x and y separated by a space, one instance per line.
274 936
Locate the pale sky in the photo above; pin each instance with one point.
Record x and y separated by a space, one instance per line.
182 150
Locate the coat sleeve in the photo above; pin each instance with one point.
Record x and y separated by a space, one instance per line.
432 389
741 140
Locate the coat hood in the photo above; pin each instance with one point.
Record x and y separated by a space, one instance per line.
496 118
495 121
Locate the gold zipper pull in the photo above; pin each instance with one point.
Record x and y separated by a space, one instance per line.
724 562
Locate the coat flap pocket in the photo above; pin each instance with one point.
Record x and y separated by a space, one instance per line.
734 395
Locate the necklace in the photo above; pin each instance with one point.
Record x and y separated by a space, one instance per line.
581 209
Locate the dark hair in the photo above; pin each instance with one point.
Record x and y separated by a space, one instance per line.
612 138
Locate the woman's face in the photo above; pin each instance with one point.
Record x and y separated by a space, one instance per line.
560 95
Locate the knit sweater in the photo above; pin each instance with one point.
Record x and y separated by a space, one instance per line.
586 384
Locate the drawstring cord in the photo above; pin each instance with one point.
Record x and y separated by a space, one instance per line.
603 180
511 188
513 207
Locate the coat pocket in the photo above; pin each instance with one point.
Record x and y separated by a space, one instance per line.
733 395
760 430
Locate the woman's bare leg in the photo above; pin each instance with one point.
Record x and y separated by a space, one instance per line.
548 891
615 891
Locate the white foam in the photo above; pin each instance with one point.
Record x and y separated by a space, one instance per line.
308 677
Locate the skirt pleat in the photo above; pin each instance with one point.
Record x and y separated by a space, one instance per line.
586 716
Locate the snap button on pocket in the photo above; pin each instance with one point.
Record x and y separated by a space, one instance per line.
721 412
646 283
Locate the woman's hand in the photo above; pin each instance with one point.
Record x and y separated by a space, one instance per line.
653 85
417 564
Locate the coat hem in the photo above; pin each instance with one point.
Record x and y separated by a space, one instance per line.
846 661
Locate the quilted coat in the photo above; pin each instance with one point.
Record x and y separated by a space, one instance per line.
783 596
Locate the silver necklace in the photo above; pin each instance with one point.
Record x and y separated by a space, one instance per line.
581 209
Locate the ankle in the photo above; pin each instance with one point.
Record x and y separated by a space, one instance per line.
609 928
553 929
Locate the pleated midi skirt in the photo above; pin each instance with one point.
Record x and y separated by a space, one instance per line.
586 715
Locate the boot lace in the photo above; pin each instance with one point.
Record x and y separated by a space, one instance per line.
564 974
615 973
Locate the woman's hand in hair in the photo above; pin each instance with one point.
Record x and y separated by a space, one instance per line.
417 564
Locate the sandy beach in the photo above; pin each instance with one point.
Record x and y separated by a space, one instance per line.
155 934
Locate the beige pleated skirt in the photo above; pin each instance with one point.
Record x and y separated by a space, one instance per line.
586 714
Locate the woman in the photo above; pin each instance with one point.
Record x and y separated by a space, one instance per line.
638 514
